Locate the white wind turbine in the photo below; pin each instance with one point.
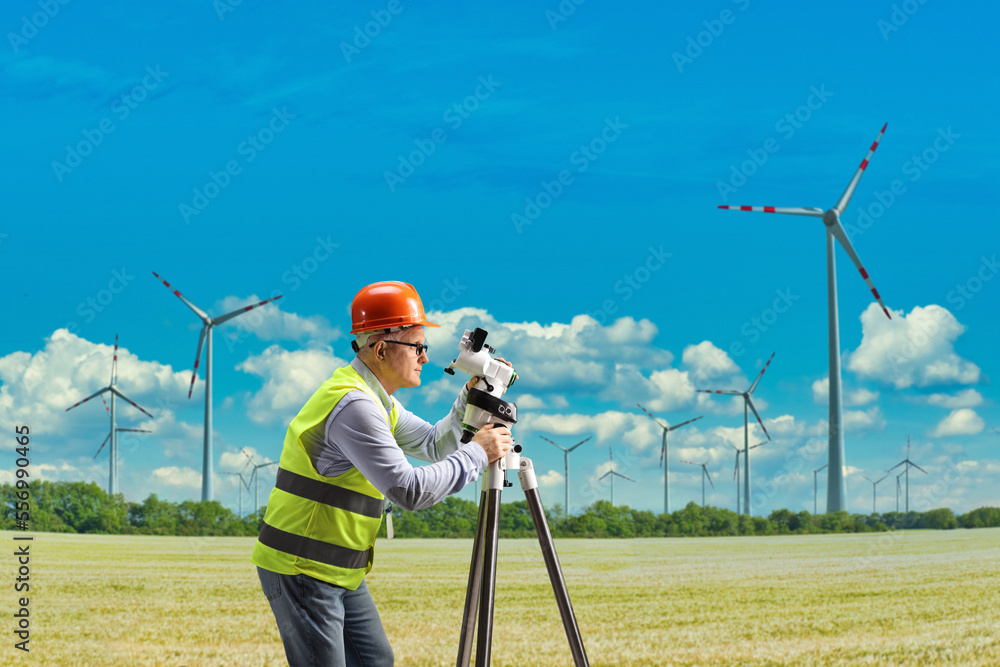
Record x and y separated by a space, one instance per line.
747 403
704 470
875 484
113 434
254 477
205 338
736 471
612 474
566 464
906 470
664 459
836 491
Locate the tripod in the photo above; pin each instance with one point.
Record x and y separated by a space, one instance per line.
482 581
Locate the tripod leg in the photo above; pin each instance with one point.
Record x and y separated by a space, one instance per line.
472 590
530 486
491 533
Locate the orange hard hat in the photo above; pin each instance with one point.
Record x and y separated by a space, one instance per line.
385 305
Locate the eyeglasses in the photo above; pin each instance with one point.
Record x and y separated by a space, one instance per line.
421 348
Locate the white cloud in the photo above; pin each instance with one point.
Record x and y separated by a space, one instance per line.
852 397
37 388
860 421
269 322
709 364
962 421
551 478
184 478
967 398
911 350
290 378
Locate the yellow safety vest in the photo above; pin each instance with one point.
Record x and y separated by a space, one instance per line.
324 527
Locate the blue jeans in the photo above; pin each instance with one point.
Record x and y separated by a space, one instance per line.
323 624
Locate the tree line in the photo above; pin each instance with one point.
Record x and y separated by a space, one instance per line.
83 507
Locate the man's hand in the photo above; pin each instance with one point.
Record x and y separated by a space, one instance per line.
475 379
496 442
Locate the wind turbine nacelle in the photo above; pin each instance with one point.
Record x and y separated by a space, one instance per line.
830 218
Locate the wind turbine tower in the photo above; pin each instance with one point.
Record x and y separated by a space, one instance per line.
566 465
113 434
664 450
205 338
612 474
747 403
836 490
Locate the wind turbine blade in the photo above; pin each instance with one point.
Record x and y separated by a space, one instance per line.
897 465
846 197
675 426
727 392
649 414
867 477
788 210
102 446
663 449
134 430
882 479
625 477
96 393
114 363
551 443
605 475
106 405
691 463
197 311
759 421
134 404
579 443
754 385
759 444
838 231
244 309
736 468
709 475
197 359
918 467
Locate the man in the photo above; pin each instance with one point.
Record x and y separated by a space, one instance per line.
343 455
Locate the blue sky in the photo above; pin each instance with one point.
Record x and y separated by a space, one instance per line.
547 174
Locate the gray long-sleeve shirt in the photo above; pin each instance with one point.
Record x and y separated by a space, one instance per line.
355 434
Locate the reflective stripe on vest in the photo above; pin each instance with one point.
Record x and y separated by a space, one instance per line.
324 527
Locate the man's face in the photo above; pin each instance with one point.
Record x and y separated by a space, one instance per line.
403 363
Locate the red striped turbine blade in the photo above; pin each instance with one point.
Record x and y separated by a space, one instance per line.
676 426
754 385
787 210
759 421
114 363
654 418
198 311
102 446
133 403
95 394
846 197
838 231
244 309
197 359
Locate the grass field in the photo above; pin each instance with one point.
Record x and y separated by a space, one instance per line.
915 598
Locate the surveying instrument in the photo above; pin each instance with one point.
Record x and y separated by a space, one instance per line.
485 407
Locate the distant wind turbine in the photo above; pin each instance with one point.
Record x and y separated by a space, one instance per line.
816 485
704 470
243 483
612 474
664 450
113 434
836 491
909 464
747 403
566 464
254 477
875 483
736 471
206 337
